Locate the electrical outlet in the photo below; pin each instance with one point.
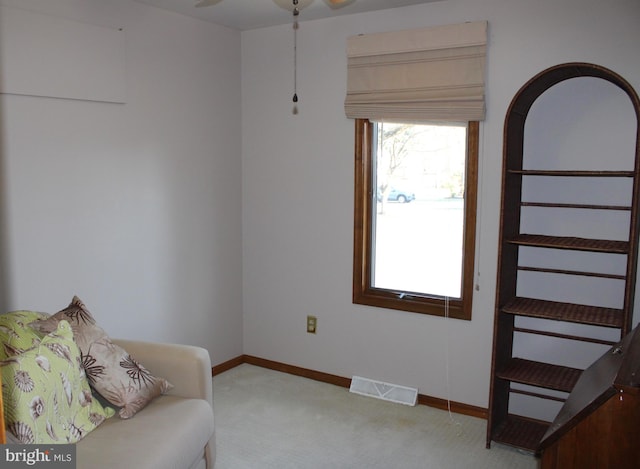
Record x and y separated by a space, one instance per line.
312 323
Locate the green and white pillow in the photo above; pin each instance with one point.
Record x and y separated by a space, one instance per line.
47 398
15 334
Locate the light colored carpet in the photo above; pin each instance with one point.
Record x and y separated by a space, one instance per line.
272 420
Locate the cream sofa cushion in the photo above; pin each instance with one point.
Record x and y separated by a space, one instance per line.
176 428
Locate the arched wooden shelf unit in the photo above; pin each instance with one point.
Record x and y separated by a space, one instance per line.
506 370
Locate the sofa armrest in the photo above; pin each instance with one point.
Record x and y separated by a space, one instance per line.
187 367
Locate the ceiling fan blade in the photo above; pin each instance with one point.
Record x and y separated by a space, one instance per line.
207 3
335 4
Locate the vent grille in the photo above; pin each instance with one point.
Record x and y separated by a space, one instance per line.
385 391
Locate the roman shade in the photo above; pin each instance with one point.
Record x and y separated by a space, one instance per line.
418 75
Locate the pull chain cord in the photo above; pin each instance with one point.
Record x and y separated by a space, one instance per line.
452 420
296 12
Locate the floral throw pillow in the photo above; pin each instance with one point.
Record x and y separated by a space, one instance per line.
47 398
15 334
111 371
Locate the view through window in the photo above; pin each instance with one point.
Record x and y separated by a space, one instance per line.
418 216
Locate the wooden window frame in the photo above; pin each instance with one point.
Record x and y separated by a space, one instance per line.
365 195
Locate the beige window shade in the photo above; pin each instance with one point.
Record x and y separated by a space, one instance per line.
418 75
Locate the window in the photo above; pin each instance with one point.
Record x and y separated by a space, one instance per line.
415 184
415 216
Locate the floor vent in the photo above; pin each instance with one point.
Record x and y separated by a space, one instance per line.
384 391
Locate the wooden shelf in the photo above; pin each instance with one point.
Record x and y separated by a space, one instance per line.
520 432
571 272
571 173
625 208
558 335
542 375
527 202
570 312
571 243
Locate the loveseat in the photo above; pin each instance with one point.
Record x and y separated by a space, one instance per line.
175 430
122 403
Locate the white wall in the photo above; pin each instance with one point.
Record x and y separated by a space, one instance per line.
134 207
298 187
138 207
